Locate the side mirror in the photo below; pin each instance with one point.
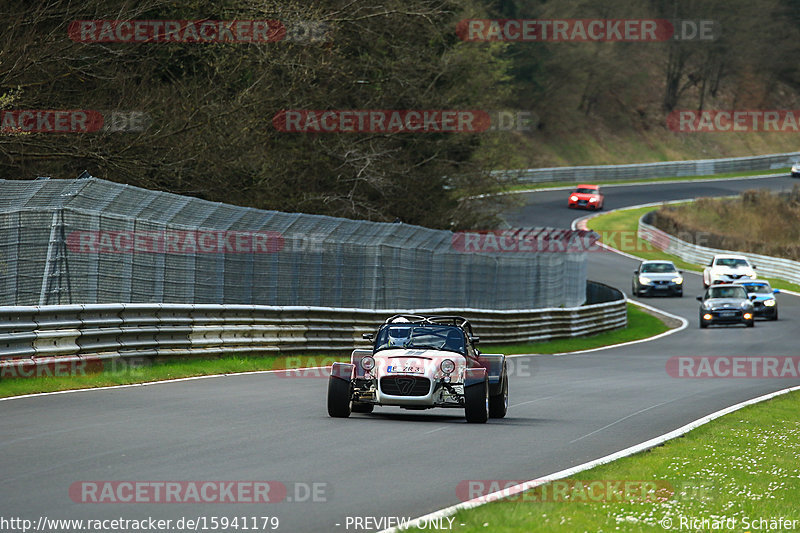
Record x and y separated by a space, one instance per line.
680 271
753 296
776 291
699 298
368 336
636 272
755 267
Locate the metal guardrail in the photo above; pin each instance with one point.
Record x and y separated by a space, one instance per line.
702 167
36 336
773 267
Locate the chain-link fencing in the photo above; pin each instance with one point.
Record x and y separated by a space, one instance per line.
93 241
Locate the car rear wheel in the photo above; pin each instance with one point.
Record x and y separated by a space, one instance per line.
338 397
362 407
498 404
476 403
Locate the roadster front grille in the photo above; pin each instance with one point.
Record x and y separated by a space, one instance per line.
405 386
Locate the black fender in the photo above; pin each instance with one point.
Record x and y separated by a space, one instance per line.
355 360
494 365
343 371
474 376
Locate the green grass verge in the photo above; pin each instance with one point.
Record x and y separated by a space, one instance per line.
130 371
640 326
619 228
554 184
134 370
742 466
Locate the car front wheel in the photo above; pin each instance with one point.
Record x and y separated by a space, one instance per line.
338 397
476 403
498 404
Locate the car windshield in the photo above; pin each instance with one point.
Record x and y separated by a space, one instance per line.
658 267
586 191
757 288
727 292
438 337
730 262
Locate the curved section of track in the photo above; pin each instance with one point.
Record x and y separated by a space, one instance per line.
564 411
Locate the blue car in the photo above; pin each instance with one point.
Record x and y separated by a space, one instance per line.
763 297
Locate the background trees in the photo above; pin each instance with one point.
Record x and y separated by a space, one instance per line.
210 106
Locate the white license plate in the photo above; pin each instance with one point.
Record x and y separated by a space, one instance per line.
727 314
404 370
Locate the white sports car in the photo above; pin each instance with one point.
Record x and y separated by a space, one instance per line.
728 269
421 362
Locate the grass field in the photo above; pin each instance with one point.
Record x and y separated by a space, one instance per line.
130 371
640 325
740 468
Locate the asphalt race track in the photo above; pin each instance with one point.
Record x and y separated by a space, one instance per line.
565 410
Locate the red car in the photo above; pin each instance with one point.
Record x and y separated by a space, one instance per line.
586 197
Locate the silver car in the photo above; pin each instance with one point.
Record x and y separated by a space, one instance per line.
657 277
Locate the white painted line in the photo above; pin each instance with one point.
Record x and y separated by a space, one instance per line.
683 326
657 441
640 411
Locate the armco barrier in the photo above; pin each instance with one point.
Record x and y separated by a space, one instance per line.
702 167
772 267
36 335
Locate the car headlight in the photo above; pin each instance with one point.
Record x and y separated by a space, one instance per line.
447 366
677 280
748 316
644 281
592 199
573 198
368 363
769 303
707 317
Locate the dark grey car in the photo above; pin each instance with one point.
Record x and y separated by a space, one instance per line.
726 304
